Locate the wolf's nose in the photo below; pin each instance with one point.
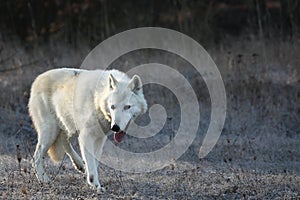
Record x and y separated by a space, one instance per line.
115 128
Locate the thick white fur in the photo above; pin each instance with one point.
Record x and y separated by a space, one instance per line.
68 101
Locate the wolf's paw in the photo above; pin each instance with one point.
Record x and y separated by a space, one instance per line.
95 184
98 188
44 178
101 189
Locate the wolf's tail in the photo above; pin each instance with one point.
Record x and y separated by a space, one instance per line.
56 150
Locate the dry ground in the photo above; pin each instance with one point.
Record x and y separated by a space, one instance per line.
204 180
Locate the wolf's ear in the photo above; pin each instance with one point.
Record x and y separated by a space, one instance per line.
113 83
135 84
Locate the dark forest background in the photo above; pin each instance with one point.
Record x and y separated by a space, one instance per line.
205 20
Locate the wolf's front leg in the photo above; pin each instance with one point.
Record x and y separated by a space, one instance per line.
91 164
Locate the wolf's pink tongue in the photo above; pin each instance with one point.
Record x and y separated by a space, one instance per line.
118 136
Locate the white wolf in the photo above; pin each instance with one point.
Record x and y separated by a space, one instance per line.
68 101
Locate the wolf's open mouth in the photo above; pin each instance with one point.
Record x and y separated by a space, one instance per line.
118 136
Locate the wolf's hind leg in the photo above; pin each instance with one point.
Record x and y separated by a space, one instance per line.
47 129
46 138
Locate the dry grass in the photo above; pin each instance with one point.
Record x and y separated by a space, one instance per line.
179 181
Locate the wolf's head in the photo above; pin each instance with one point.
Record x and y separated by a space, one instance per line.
124 103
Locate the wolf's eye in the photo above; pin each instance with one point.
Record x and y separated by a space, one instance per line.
127 107
112 107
